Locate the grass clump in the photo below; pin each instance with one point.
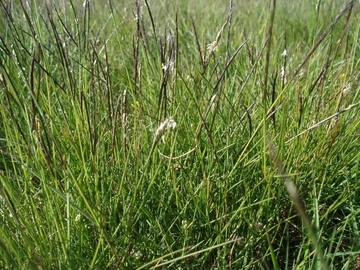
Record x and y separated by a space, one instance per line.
141 136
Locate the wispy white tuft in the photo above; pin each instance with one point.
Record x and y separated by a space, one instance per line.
282 72
169 123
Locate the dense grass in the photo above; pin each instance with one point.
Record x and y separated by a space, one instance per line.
260 172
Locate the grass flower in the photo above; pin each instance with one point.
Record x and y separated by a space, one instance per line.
168 123
213 45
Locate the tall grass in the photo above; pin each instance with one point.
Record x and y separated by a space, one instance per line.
260 172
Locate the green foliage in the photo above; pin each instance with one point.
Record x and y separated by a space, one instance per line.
265 98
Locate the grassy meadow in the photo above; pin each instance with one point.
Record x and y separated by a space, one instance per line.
180 134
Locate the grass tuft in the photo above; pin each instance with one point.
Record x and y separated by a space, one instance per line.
185 135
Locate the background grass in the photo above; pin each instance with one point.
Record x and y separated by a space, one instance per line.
85 184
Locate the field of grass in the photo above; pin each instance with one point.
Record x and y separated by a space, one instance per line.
180 134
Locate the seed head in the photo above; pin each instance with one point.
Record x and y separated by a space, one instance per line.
168 123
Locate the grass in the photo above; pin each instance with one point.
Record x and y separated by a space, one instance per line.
260 172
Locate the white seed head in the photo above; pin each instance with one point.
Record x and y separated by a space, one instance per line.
168 123
282 72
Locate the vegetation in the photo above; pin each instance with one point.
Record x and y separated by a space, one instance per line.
189 135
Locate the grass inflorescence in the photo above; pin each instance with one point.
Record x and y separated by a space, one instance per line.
179 135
